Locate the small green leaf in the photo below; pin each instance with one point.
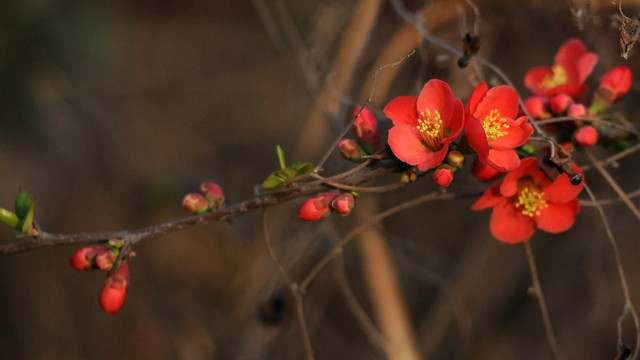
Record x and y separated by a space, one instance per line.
27 225
303 168
24 204
273 181
9 218
281 159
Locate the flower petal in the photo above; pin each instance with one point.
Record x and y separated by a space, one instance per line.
503 159
561 190
433 159
533 78
557 218
406 144
456 121
477 94
476 137
510 184
402 110
490 198
436 95
509 225
502 98
519 132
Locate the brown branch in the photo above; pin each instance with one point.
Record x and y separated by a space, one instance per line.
135 236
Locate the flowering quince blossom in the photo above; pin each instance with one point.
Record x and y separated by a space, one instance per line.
526 199
613 85
571 66
115 290
424 126
490 127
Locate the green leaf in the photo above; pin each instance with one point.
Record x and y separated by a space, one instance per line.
303 168
273 181
281 159
9 218
27 225
24 204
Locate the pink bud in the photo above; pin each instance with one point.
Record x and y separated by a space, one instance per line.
537 106
350 150
214 195
343 203
115 290
483 171
443 175
317 207
366 127
586 135
455 159
195 203
105 260
560 103
577 110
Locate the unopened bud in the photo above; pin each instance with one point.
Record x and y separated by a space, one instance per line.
577 110
350 150
613 85
366 127
214 195
85 258
409 176
586 135
560 103
317 207
537 106
115 290
443 175
105 260
195 203
455 159
343 203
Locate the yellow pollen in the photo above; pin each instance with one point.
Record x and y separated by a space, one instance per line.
430 129
559 77
530 201
494 126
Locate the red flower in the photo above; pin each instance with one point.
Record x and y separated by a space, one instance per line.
526 199
317 207
613 85
366 127
571 66
424 126
491 129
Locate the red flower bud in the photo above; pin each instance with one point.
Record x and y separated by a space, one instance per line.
115 290
537 107
483 171
85 258
105 260
195 203
366 127
214 194
560 103
455 159
443 175
577 110
613 85
343 203
317 207
586 135
350 150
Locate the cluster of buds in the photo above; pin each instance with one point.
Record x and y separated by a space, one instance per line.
322 204
367 137
443 174
558 90
210 198
100 257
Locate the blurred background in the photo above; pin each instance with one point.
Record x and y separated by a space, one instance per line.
111 111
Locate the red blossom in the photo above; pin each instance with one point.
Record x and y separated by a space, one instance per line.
343 203
526 199
490 127
317 207
443 175
586 135
571 67
366 127
613 85
424 126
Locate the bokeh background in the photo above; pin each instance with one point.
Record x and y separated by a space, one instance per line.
111 111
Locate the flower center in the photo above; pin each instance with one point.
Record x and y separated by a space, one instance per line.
530 201
431 129
559 77
494 126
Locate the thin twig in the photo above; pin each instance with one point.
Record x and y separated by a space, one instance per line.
372 189
551 338
621 274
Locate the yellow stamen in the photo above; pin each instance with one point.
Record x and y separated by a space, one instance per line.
559 77
431 129
494 126
531 201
